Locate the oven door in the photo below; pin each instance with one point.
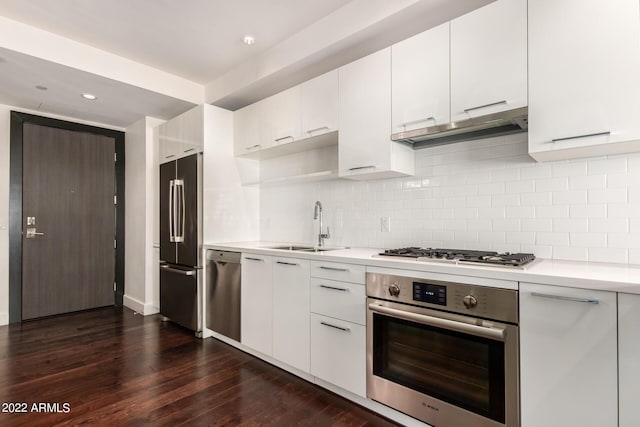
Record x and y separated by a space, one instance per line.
442 368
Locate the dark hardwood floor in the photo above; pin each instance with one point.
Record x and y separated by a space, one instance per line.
113 367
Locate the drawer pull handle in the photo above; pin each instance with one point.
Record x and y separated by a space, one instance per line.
189 150
286 263
581 136
334 288
362 167
254 259
333 268
252 147
415 122
285 137
317 129
565 298
335 327
466 110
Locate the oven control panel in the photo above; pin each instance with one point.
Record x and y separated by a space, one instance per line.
428 292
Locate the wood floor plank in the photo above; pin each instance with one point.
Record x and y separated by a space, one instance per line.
114 367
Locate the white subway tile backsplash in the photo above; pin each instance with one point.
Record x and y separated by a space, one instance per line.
483 194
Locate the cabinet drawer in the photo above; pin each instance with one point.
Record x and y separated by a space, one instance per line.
338 271
340 300
338 353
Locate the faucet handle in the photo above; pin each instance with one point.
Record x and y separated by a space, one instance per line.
327 234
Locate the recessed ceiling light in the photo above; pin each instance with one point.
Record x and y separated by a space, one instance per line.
40 87
89 96
248 40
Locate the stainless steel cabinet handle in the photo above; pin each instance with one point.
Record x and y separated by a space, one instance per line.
336 327
413 122
285 137
310 131
566 298
466 110
480 331
362 167
172 189
252 147
253 259
286 263
179 210
581 136
334 288
175 270
169 156
188 150
333 268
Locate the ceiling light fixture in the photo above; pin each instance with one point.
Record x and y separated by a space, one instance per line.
248 40
89 96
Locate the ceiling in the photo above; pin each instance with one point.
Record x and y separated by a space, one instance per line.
158 58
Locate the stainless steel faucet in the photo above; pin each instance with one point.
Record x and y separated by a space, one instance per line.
317 213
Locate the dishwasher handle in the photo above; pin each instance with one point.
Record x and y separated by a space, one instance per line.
223 256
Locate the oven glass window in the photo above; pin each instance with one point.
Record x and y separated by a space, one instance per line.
463 370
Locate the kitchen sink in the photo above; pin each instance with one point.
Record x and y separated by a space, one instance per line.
302 248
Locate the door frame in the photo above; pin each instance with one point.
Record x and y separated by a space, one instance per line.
15 203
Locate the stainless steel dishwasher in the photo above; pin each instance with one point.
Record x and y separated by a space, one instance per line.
223 293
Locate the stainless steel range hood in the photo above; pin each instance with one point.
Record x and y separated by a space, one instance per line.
502 123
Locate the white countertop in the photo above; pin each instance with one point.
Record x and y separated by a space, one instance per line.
585 275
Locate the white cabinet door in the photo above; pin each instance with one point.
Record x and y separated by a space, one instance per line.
246 129
182 136
629 359
280 118
338 353
256 312
489 60
584 90
365 149
169 141
291 312
319 105
420 80
568 357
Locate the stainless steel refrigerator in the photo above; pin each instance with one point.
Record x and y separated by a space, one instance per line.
181 241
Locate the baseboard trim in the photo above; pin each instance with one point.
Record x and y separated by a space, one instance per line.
4 319
139 307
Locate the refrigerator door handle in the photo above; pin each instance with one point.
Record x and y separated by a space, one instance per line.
180 211
172 191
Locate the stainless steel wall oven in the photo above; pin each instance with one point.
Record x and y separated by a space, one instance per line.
443 352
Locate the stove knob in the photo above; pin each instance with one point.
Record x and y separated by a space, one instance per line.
394 289
470 301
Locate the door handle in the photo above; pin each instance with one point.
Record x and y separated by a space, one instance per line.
175 270
32 233
172 190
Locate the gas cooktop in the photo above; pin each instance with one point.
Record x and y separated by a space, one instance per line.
505 259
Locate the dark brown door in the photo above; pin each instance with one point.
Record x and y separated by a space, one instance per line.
68 224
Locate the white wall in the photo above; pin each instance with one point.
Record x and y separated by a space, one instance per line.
485 194
230 211
141 181
5 118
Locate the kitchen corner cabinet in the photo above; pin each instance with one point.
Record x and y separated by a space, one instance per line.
489 60
568 357
629 359
181 136
420 80
365 149
256 310
584 90
291 320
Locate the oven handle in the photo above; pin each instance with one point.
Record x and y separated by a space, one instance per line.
480 331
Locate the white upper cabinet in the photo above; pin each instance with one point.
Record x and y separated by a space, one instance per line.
182 136
246 129
489 60
365 150
319 105
584 84
280 122
420 80
568 357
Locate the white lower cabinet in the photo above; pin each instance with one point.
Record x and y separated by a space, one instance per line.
568 357
291 312
629 359
338 353
256 312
